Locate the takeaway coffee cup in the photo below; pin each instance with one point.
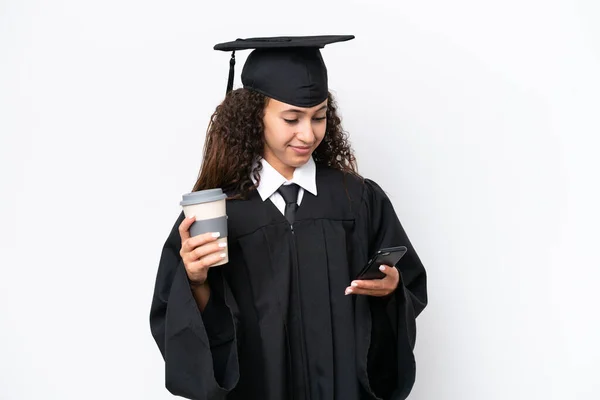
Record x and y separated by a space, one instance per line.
208 206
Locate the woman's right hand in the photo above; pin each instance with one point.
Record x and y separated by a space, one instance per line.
199 253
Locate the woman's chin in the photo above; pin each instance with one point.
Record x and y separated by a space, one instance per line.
295 153
298 161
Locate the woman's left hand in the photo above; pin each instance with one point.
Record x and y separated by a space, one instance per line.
377 287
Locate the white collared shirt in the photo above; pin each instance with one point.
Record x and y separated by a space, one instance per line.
270 180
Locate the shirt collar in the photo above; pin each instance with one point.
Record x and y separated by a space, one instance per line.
271 180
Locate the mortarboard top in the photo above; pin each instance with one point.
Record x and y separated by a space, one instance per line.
286 68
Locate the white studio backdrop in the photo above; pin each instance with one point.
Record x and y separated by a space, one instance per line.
479 118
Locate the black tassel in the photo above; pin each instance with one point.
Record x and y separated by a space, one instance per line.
231 72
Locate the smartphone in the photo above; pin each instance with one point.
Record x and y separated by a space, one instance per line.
389 257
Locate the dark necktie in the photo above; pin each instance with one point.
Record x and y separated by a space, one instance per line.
290 195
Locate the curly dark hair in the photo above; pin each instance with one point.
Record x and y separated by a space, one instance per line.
235 140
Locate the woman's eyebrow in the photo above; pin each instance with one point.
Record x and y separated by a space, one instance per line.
298 111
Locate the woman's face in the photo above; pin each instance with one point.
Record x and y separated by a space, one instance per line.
292 134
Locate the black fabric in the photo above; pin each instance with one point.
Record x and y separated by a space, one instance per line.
282 42
289 69
295 334
290 196
219 327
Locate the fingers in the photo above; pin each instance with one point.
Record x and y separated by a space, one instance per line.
379 291
391 272
206 249
376 287
367 292
193 242
371 284
184 228
198 270
205 252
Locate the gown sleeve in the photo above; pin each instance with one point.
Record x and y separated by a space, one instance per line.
390 361
199 349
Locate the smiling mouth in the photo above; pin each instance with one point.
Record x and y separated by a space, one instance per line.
302 150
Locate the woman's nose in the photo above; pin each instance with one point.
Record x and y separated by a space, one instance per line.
306 133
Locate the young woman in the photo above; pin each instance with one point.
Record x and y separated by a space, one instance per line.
285 318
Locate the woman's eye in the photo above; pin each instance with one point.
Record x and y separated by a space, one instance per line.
320 118
290 121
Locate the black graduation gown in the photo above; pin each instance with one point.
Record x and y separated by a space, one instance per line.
278 324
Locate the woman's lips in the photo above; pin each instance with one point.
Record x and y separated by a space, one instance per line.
301 150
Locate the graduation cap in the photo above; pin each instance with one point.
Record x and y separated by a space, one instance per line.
286 68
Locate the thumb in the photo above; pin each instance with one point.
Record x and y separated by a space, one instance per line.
184 228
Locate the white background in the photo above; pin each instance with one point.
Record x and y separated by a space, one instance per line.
479 118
